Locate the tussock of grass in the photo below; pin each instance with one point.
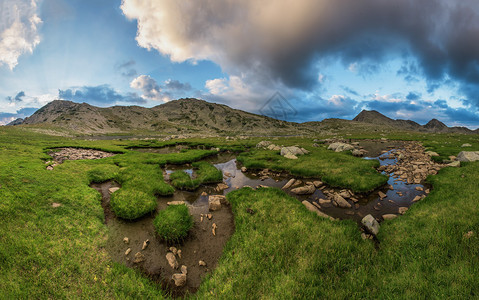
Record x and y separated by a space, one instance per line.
205 173
132 204
173 223
182 180
102 173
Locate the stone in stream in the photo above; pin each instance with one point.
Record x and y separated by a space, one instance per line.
127 251
418 188
381 195
317 183
243 169
263 144
312 208
345 194
389 216
222 186
113 189
173 250
324 201
126 240
468 156
180 279
214 203
340 201
171 258
402 210
304 190
371 224
417 198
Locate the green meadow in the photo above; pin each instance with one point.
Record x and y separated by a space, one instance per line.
282 251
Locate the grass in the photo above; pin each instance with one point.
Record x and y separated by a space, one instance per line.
281 251
173 223
205 173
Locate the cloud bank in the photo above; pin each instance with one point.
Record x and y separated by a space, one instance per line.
19 24
279 42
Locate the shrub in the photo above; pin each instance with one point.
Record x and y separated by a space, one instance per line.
173 223
131 204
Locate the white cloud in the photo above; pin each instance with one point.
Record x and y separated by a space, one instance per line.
19 24
149 88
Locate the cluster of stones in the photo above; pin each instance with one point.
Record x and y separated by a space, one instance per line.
291 152
355 148
413 164
139 257
74 154
171 257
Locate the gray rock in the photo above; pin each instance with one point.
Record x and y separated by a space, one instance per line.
293 150
371 224
468 156
289 183
339 147
263 144
304 190
290 156
340 201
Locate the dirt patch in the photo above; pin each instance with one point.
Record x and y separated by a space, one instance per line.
62 154
200 245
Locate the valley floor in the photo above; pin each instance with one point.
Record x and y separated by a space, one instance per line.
53 233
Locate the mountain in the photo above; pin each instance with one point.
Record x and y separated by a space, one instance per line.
18 121
183 115
375 117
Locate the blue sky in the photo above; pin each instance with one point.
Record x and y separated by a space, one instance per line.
327 58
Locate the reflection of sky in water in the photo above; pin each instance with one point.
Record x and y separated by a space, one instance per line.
189 171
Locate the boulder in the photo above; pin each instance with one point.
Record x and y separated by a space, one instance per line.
179 278
466 145
454 164
340 201
304 190
339 147
371 225
171 258
314 209
468 156
290 156
293 150
214 203
289 183
389 216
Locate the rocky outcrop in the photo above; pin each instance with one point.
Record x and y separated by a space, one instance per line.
340 147
62 154
293 150
468 156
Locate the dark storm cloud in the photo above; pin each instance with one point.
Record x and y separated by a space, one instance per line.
99 95
282 40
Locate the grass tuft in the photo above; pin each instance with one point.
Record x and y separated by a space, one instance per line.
173 223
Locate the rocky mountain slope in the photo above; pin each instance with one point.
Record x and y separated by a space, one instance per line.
185 116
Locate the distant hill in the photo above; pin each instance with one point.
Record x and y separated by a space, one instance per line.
185 116
375 117
18 121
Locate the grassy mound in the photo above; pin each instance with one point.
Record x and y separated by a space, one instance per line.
205 173
132 204
173 223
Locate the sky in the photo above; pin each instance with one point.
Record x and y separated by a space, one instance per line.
298 60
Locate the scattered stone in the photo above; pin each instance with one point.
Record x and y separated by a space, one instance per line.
339 147
293 151
222 186
145 244
317 183
290 156
345 194
180 279
213 229
263 144
389 216
202 263
179 253
127 251
171 258
184 270
176 203
204 194
49 168
403 210
243 169
126 240
313 208
371 224
466 145
468 156
340 202
210 216
432 153
469 234
289 184
304 190
381 195
454 164
139 257
214 203
55 205
418 188
324 201
417 198
113 189
357 153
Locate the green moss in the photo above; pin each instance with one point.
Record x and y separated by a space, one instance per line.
173 223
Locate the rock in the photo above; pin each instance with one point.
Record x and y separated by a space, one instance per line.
50 168
345 194
179 253
381 195
340 201
213 229
454 164
466 145
171 258
126 240
432 153
210 216
145 244
418 188
339 147
176 203
468 156
55 205
184 270
313 208
389 216
293 150
113 189
127 251
290 156
371 224
139 257
304 190
315 145
243 169
417 198
357 152
403 210
324 201
204 194
366 236
221 186
289 184
202 263
180 279
214 203
317 183
263 144
173 250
